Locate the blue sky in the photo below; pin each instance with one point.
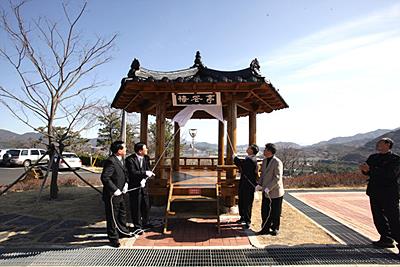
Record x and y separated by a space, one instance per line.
336 63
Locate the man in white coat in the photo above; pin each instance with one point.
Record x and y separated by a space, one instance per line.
271 184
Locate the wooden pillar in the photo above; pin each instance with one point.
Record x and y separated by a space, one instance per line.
231 145
230 150
123 126
144 119
177 147
221 145
160 135
252 128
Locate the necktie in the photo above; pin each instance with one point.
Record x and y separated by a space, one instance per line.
141 162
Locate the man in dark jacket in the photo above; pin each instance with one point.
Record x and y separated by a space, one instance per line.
138 166
115 184
248 180
383 169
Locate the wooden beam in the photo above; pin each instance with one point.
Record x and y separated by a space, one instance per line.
177 147
243 107
160 135
130 102
144 120
232 124
262 100
252 128
231 147
221 145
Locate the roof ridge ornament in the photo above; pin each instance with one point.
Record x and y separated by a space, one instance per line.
197 61
134 67
255 66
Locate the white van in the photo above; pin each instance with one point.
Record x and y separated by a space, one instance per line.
24 156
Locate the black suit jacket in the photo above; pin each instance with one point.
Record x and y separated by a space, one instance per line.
248 171
114 176
135 173
384 175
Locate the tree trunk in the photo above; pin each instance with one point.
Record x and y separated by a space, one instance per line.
54 178
51 148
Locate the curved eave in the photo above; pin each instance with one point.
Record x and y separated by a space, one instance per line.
141 96
143 74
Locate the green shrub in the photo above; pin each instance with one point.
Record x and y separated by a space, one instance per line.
98 160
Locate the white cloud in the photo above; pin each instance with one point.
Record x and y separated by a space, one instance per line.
339 81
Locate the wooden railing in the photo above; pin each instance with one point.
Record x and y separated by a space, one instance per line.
198 162
193 162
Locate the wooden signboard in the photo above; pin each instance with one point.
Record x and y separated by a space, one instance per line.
188 99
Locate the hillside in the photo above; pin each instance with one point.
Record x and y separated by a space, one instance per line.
354 140
10 139
351 148
362 152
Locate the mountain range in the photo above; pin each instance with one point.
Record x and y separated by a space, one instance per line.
10 139
349 148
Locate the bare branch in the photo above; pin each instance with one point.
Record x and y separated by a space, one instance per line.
53 66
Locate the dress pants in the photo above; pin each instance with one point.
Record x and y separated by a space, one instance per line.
246 197
119 208
140 207
385 212
271 213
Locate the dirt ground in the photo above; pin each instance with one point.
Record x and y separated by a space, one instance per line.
296 229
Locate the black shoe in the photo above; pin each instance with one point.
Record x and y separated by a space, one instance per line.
130 234
137 231
115 243
383 243
246 226
240 221
274 232
148 226
263 232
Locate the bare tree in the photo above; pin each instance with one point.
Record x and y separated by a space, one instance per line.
54 65
291 158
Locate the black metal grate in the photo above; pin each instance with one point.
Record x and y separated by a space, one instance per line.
330 255
346 234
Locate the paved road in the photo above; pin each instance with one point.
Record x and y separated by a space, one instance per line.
9 175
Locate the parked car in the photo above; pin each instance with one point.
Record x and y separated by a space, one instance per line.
24 156
72 159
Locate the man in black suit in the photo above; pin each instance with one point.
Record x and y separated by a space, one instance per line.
383 169
248 180
138 166
115 184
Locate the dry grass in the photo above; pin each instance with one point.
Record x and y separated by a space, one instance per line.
81 203
296 229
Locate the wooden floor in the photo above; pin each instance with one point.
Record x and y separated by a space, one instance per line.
188 176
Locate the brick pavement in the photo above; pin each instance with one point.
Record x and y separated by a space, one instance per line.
19 230
349 208
196 233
